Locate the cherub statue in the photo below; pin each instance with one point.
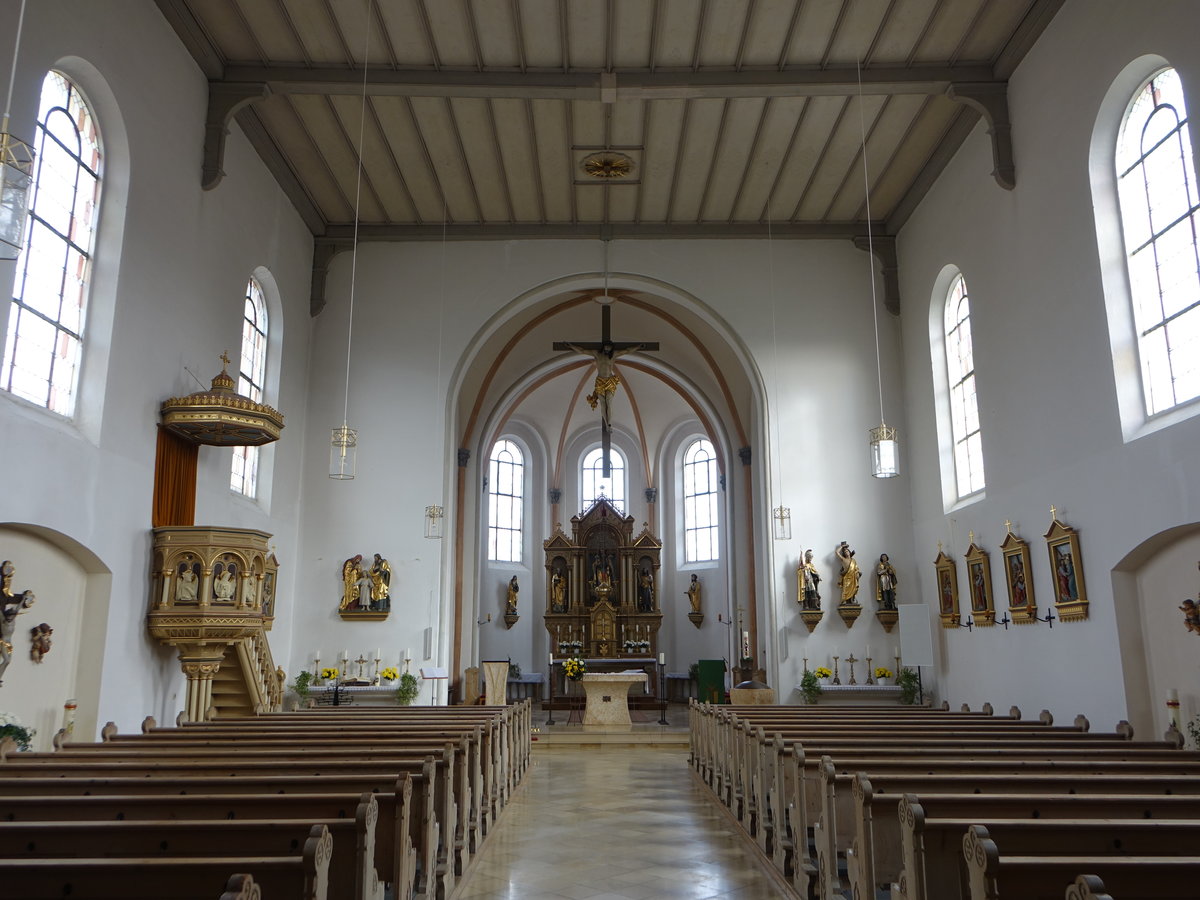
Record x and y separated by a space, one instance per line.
40 636
1191 616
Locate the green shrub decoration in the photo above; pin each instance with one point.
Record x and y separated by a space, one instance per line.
810 687
407 689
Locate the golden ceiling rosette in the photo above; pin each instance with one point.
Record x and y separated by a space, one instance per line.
221 417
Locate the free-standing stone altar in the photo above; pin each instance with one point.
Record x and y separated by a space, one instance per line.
602 587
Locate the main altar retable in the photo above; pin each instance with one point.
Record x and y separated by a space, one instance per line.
602 587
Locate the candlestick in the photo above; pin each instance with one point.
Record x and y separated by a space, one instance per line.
836 678
870 671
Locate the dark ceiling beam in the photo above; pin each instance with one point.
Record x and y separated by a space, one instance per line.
338 238
657 85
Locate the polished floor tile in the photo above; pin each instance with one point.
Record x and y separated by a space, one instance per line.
624 823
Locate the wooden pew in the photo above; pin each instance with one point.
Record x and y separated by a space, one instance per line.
993 876
351 874
1067 824
304 876
407 829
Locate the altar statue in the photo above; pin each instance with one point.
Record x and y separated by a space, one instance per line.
558 593
810 580
886 590
510 599
646 591
381 580
693 594
351 575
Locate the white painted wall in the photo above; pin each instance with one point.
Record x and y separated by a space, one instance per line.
1051 430
171 269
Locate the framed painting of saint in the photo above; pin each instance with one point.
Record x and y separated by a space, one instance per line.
979 582
1021 605
1066 570
946 579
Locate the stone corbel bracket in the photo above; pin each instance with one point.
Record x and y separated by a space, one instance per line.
883 246
990 100
224 102
324 250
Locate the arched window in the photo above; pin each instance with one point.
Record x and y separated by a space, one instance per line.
964 408
1160 214
701 532
252 374
506 502
593 484
46 322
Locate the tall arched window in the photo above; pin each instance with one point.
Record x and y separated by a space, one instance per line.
46 322
701 532
593 484
506 502
252 374
1160 213
964 408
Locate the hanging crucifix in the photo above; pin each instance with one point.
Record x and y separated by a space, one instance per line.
605 352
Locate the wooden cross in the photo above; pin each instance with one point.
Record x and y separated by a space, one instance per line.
604 352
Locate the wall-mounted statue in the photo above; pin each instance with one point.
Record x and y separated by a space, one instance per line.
1191 616
693 594
885 588
646 591
351 576
850 573
510 597
810 582
381 584
558 592
39 636
12 604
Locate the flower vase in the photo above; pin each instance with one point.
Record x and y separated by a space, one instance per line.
883 682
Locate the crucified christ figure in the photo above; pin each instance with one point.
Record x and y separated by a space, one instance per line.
606 376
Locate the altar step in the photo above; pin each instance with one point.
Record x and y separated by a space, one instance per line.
576 737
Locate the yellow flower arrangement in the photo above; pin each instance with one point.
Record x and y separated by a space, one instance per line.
822 672
329 672
883 672
574 668
391 673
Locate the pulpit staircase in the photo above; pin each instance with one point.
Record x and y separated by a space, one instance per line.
247 680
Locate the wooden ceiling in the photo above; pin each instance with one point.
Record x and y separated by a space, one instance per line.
735 115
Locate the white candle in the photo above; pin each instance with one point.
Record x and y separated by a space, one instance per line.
346 654
316 654
552 660
1172 695
408 653
896 652
868 651
378 654
662 659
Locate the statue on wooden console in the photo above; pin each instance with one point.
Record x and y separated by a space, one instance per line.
850 573
381 580
693 594
810 581
12 604
885 591
510 599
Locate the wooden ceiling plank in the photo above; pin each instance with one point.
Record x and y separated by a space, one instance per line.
427 30
434 176
786 49
880 197
572 190
845 141
587 231
195 37
1023 39
968 33
673 191
923 36
884 22
404 35
816 167
473 31
663 135
905 25
717 144
288 21
748 163
456 137
655 30
564 34
833 33
348 55
942 151
535 159
356 147
502 170
397 173
739 60
785 162
946 31
519 28
632 36
732 159
262 139
483 157
854 167
314 156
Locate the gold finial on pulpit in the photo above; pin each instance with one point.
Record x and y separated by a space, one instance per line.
224 357
939 546
1008 525
971 536
1053 512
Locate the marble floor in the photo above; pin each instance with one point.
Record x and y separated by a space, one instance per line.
625 823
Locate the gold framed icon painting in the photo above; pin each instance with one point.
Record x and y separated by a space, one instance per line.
1021 604
979 583
1066 570
946 578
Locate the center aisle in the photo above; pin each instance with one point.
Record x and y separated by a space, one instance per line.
625 823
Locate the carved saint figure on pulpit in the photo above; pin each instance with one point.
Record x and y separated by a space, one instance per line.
810 580
693 594
185 584
850 573
224 584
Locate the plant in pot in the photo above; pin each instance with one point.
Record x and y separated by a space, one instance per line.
301 686
407 689
909 686
810 687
